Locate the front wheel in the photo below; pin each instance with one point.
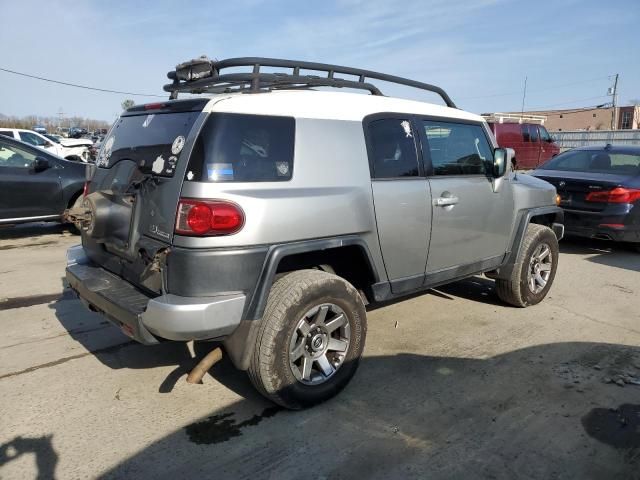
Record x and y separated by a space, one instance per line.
310 339
535 268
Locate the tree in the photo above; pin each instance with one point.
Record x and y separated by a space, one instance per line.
128 103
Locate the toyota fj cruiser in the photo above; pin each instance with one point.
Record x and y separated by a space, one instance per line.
266 214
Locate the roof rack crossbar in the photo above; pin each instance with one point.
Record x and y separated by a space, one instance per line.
204 76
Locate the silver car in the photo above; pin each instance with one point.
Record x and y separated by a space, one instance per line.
265 214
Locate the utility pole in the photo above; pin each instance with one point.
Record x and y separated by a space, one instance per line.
60 115
524 95
613 112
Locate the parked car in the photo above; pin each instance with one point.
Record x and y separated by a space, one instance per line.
70 142
531 142
66 148
599 189
40 129
250 219
77 132
36 185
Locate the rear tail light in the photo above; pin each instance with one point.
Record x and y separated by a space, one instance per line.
154 106
617 195
85 189
208 217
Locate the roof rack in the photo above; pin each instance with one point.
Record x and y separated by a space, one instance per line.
514 118
203 75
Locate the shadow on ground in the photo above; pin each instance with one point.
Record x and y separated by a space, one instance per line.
541 412
619 255
36 229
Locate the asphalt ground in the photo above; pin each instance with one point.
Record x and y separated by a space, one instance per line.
453 384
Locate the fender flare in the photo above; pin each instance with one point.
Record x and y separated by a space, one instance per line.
525 216
240 344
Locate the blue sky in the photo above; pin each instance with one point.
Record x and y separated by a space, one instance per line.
479 51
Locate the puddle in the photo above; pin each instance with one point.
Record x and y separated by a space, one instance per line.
617 427
222 427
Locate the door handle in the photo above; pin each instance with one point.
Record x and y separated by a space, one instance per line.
445 201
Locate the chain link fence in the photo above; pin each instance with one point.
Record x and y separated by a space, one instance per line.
583 138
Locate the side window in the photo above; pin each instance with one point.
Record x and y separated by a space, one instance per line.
244 148
393 149
533 130
6 133
544 135
31 138
457 149
12 156
525 133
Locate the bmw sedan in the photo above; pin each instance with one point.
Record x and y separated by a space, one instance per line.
599 190
36 185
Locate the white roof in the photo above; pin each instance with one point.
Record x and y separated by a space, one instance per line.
327 105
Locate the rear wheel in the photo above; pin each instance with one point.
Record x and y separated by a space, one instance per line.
535 268
310 340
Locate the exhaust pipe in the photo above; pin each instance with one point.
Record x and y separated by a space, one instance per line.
601 236
203 366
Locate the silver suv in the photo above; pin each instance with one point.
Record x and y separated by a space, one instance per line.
265 214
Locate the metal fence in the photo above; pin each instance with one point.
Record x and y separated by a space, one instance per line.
582 138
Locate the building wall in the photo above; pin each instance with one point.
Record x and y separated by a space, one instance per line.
590 119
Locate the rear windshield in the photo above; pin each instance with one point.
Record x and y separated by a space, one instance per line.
595 161
153 141
243 148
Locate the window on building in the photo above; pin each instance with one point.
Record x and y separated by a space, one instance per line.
560 115
626 121
594 115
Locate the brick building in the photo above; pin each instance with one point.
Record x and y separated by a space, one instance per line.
625 118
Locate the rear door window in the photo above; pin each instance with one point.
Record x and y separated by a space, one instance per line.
392 149
152 141
243 148
533 132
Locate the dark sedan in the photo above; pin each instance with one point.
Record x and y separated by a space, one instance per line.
599 190
35 185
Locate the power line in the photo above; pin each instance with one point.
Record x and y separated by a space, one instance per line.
567 103
565 112
80 86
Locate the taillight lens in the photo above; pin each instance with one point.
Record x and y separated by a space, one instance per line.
617 195
85 189
208 217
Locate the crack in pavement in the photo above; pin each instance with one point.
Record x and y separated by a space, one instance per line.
602 322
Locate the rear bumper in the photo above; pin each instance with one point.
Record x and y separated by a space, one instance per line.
148 319
606 225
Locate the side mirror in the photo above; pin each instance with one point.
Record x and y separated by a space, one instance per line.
40 164
502 157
